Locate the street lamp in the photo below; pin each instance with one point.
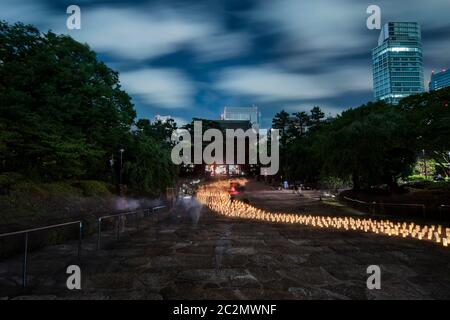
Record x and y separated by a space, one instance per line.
121 164
425 164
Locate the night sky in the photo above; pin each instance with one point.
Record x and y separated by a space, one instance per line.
191 58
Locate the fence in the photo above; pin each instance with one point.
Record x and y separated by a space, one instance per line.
157 210
145 212
399 208
360 205
28 231
120 218
442 209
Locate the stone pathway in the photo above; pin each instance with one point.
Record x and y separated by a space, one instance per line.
196 254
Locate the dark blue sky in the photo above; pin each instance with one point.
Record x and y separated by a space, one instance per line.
191 58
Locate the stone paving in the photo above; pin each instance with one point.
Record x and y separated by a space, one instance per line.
196 254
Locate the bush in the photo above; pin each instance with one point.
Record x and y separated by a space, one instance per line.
92 188
430 185
333 183
416 177
8 180
62 189
30 188
442 186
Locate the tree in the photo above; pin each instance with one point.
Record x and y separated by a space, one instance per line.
159 130
63 115
64 108
148 167
298 125
371 145
281 122
302 121
428 115
316 118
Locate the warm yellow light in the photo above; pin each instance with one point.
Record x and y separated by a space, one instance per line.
216 198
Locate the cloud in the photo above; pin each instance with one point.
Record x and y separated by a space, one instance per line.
324 28
330 27
222 46
318 36
275 53
268 83
140 33
137 33
150 32
166 88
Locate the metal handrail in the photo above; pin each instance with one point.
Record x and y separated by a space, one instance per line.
119 215
116 216
27 231
78 222
157 208
441 207
400 204
355 200
416 205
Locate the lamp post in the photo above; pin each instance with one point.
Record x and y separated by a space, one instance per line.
425 164
111 164
121 166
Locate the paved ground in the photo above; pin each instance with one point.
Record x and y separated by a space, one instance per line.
199 255
307 201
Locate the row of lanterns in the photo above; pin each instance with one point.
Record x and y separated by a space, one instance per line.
216 198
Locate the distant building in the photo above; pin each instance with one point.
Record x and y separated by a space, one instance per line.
440 80
242 114
234 124
230 169
397 62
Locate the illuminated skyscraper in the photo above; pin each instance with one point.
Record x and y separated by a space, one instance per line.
397 62
440 80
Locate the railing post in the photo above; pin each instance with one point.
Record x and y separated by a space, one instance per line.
80 239
137 222
374 207
25 262
118 227
99 232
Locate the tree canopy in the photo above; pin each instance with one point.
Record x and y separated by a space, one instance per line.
64 114
373 144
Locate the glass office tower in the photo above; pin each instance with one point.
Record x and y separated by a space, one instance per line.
440 80
397 62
